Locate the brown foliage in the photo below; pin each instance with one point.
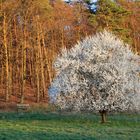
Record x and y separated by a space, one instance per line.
32 34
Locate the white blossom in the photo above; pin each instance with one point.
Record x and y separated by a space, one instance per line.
99 73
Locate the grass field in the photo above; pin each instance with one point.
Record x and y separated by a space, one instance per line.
41 126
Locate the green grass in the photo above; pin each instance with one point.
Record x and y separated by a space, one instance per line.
41 126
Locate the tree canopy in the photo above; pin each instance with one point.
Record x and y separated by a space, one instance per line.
100 73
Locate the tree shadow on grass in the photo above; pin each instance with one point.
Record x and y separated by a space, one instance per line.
48 116
66 117
38 135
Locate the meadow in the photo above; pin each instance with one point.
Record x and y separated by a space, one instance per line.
56 126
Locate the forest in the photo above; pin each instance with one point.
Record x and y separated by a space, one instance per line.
33 33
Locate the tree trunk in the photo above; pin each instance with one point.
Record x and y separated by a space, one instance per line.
23 71
36 72
37 76
103 116
6 59
40 57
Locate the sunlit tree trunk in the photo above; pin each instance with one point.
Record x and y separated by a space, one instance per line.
40 56
47 72
10 64
16 74
6 58
36 78
23 69
37 83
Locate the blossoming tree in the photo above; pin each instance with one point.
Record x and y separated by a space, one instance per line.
100 73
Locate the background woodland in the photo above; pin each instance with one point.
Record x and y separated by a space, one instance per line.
33 32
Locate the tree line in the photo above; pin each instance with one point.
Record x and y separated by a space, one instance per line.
33 32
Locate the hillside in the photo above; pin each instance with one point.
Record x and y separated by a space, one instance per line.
32 34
